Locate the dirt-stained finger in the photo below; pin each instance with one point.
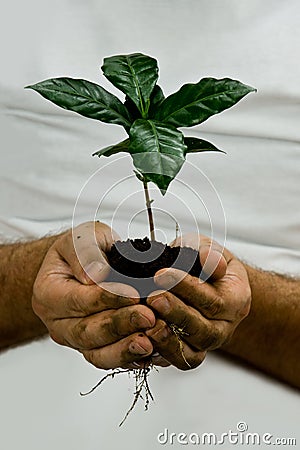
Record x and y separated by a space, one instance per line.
84 247
222 300
62 297
196 330
128 350
99 330
172 348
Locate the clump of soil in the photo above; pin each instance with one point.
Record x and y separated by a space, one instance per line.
135 262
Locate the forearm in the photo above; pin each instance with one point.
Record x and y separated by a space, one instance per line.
269 337
19 265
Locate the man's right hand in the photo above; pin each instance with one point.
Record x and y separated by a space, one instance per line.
104 321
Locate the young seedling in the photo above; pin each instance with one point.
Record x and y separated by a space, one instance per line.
157 147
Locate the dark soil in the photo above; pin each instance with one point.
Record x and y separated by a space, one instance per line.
135 262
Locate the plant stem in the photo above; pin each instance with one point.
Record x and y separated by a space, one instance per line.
149 211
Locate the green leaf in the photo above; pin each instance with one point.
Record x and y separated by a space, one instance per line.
195 145
158 151
156 99
135 75
132 109
85 98
112 149
195 103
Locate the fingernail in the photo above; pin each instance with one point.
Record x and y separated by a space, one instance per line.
159 334
161 304
93 271
136 364
137 349
140 321
166 280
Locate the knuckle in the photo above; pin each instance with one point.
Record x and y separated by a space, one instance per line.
244 312
159 361
248 300
156 293
185 366
65 241
141 317
228 337
245 306
56 338
183 325
160 334
211 339
93 358
36 306
113 325
38 295
80 335
106 297
192 362
115 295
215 306
37 287
98 359
74 301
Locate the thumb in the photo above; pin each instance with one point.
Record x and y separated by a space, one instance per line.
84 249
96 238
213 263
96 270
211 256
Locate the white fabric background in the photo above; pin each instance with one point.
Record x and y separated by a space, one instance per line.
45 161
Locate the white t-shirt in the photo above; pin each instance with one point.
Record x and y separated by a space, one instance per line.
47 151
251 195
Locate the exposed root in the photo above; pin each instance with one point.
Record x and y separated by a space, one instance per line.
141 386
109 375
179 333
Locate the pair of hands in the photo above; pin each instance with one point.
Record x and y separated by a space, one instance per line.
107 324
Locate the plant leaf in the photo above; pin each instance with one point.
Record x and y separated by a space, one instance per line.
135 75
156 99
195 103
195 145
85 98
132 109
112 149
158 151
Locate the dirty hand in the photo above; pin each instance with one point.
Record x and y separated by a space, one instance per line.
103 320
196 316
